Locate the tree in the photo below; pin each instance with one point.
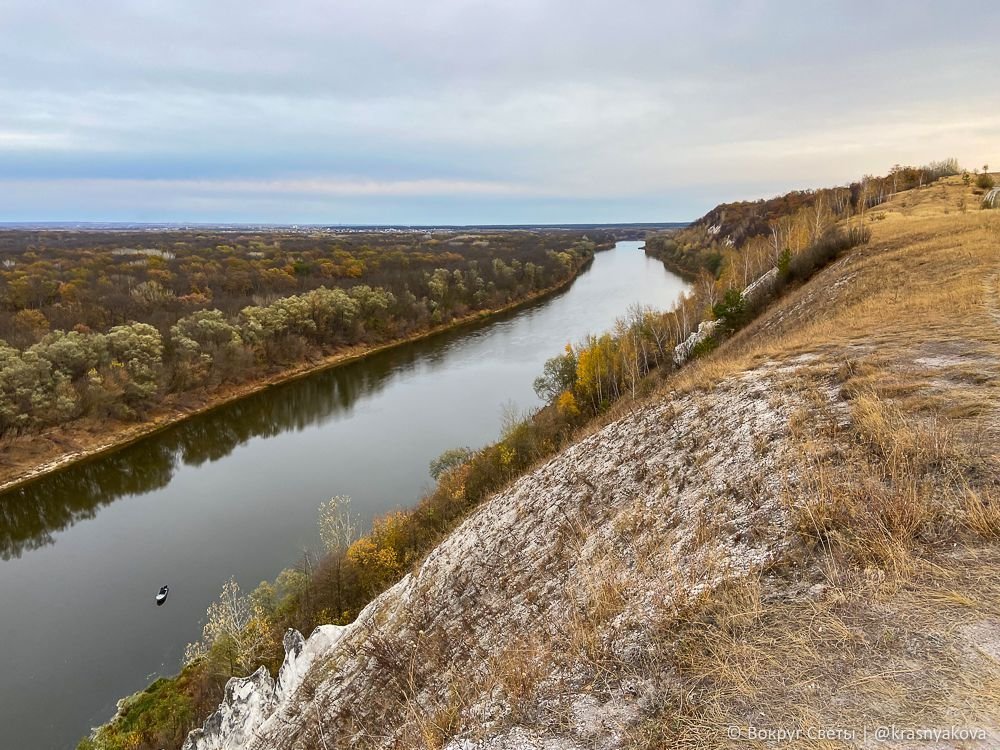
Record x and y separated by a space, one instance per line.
558 375
74 353
20 380
136 350
235 629
205 342
152 294
31 324
730 308
337 525
334 312
566 404
378 557
449 460
338 530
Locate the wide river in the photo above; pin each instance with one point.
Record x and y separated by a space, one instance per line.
236 492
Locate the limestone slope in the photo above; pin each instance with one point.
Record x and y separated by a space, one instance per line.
503 624
800 531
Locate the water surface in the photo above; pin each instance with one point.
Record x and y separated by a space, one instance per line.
235 492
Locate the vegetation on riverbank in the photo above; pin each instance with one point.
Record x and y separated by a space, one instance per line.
108 331
102 388
744 238
584 382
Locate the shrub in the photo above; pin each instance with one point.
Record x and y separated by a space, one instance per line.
985 181
159 716
731 308
826 248
449 460
704 346
784 263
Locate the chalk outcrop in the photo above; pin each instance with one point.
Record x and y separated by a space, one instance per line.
249 701
682 352
761 288
496 634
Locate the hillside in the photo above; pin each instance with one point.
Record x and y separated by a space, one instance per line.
799 531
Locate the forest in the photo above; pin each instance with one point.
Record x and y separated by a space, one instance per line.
107 324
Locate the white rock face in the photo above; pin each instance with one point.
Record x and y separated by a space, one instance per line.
761 287
300 655
490 643
683 350
249 701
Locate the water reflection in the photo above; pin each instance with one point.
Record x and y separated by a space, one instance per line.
30 515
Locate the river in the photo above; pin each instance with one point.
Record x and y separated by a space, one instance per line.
236 492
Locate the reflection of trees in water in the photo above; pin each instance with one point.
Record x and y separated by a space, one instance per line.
30 515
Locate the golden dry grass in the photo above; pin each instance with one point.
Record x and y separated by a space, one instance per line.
852 656
883 605
874 617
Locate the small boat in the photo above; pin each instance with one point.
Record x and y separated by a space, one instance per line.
162 596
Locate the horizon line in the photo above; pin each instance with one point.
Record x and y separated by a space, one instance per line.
63 224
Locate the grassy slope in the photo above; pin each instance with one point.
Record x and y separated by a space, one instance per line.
801 530
887 611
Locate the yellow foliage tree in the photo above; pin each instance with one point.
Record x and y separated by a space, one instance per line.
376 566
567 406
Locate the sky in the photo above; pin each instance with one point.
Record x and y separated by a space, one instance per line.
468 111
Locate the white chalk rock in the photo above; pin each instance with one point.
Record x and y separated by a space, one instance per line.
683 350
250 701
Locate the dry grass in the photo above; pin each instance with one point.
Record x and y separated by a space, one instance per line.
893 353
848 656
872 621
864 408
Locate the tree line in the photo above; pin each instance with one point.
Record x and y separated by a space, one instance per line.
121 371
759 232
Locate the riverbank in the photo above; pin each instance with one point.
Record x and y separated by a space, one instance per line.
688 273
28 458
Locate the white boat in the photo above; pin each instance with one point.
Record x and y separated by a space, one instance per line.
162 596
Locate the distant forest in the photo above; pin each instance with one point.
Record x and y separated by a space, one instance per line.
105 324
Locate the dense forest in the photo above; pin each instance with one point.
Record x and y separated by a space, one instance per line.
106 324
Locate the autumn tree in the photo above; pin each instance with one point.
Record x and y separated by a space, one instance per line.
558 375
136 351
235 632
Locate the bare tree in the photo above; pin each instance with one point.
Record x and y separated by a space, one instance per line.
337 524
235 627
820 217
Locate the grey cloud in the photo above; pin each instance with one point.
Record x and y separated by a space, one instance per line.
585 100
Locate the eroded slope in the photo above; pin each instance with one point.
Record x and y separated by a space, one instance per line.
800 532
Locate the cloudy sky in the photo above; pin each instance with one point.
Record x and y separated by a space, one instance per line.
465 111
